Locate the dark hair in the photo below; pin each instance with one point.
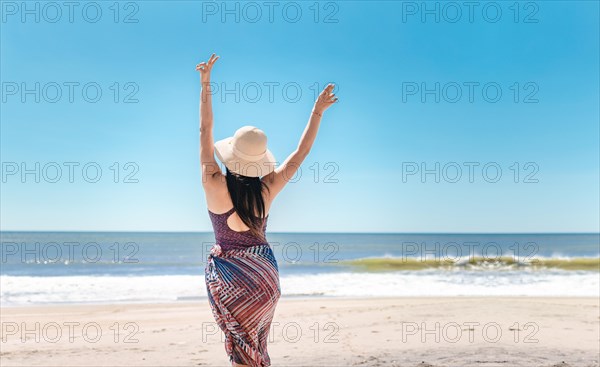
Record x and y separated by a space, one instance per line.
247 199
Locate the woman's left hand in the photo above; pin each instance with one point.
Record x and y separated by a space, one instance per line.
205 67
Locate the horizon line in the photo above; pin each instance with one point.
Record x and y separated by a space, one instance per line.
292 232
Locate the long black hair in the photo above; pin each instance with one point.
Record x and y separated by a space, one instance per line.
246 196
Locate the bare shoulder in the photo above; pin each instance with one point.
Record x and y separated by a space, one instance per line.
217 196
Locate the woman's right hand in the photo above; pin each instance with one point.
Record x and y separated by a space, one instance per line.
205 68
325 99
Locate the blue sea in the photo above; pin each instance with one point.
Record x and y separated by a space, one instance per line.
112 267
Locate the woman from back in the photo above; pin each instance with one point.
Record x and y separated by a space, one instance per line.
242 276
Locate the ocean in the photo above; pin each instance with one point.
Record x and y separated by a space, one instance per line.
40 268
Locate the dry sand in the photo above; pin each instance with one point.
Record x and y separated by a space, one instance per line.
315 332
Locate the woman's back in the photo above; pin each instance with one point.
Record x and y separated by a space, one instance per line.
229 239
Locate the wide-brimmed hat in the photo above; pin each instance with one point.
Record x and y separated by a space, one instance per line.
246 152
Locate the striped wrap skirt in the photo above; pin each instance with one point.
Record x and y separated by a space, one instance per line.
243 290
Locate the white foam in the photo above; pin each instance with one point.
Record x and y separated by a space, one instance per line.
449 283
26 290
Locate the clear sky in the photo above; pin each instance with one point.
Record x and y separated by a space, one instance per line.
517 90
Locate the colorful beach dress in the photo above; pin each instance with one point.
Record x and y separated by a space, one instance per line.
242 282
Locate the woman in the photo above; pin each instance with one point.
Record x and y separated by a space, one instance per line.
242 277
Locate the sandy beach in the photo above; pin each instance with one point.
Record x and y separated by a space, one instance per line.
455 331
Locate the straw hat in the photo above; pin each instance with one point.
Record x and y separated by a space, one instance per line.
246 152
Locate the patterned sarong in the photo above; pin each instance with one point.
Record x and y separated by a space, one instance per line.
243 290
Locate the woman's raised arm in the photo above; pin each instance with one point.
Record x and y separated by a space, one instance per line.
207 148
277 179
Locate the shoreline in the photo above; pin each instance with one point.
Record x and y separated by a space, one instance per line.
201 300
332 331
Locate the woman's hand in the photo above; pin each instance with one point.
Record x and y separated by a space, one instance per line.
325 100
205 67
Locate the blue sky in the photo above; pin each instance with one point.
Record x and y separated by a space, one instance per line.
543 57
